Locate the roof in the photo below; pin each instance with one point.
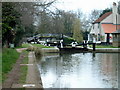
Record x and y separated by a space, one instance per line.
103 17
110 28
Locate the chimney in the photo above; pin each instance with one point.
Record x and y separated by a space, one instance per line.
114 12
114 4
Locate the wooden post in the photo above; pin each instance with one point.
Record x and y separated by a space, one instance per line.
93 46
83 44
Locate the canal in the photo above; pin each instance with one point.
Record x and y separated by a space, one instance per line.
79 70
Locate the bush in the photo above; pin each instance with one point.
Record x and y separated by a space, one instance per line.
68 40
38 52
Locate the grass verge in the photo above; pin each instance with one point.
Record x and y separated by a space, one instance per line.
9 58
23 69
41 46
25 45
0 67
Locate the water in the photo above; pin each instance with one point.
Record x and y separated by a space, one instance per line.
79 70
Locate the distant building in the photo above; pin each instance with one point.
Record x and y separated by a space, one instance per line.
104 26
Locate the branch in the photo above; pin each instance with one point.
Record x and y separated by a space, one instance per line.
43 4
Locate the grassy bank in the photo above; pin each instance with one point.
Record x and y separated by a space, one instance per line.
9 58
0 67
104 46
35 45
25 45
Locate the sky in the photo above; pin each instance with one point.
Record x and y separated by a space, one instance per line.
84 5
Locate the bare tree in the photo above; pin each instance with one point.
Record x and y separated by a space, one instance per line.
30 10
26 9
119 7
60 22
86 21
44 5
94 15
68 18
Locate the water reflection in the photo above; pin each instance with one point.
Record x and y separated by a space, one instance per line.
79 70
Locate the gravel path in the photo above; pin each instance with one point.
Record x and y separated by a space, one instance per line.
20 49
33 79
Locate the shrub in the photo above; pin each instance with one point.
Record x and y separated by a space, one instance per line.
38 52
30 48
68 40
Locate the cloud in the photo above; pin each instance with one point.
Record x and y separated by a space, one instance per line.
84 5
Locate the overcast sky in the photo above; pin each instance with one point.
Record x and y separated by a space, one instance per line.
85 5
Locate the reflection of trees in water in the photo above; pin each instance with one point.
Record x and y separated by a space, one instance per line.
109 68
102 66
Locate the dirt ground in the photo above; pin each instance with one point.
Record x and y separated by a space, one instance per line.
33 79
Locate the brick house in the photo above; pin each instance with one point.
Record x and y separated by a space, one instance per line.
104 26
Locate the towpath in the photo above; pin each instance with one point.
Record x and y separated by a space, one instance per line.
33 79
